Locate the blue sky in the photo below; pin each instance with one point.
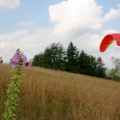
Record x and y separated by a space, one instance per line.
35 11
33 25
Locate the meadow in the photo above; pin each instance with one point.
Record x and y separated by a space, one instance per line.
55 95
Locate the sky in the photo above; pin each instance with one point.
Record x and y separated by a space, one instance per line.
33 25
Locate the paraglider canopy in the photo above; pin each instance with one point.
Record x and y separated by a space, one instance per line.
108 40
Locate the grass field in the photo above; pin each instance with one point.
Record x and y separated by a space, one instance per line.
55 95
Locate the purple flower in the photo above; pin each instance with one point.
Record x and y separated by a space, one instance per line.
15 60
26 62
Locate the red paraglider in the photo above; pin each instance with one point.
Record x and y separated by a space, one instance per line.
108 40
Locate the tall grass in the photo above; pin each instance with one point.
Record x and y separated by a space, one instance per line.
55 95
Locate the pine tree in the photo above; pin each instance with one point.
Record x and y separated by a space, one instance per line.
71 57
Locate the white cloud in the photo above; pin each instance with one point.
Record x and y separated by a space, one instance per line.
28 41
9 4
72 16
75 14
112 14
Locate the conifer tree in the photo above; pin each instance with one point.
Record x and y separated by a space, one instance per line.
72 57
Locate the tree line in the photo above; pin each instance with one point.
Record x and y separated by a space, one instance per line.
71 60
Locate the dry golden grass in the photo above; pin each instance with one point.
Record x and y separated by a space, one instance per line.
55 95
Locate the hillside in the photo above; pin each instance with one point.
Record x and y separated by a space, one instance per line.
55 95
